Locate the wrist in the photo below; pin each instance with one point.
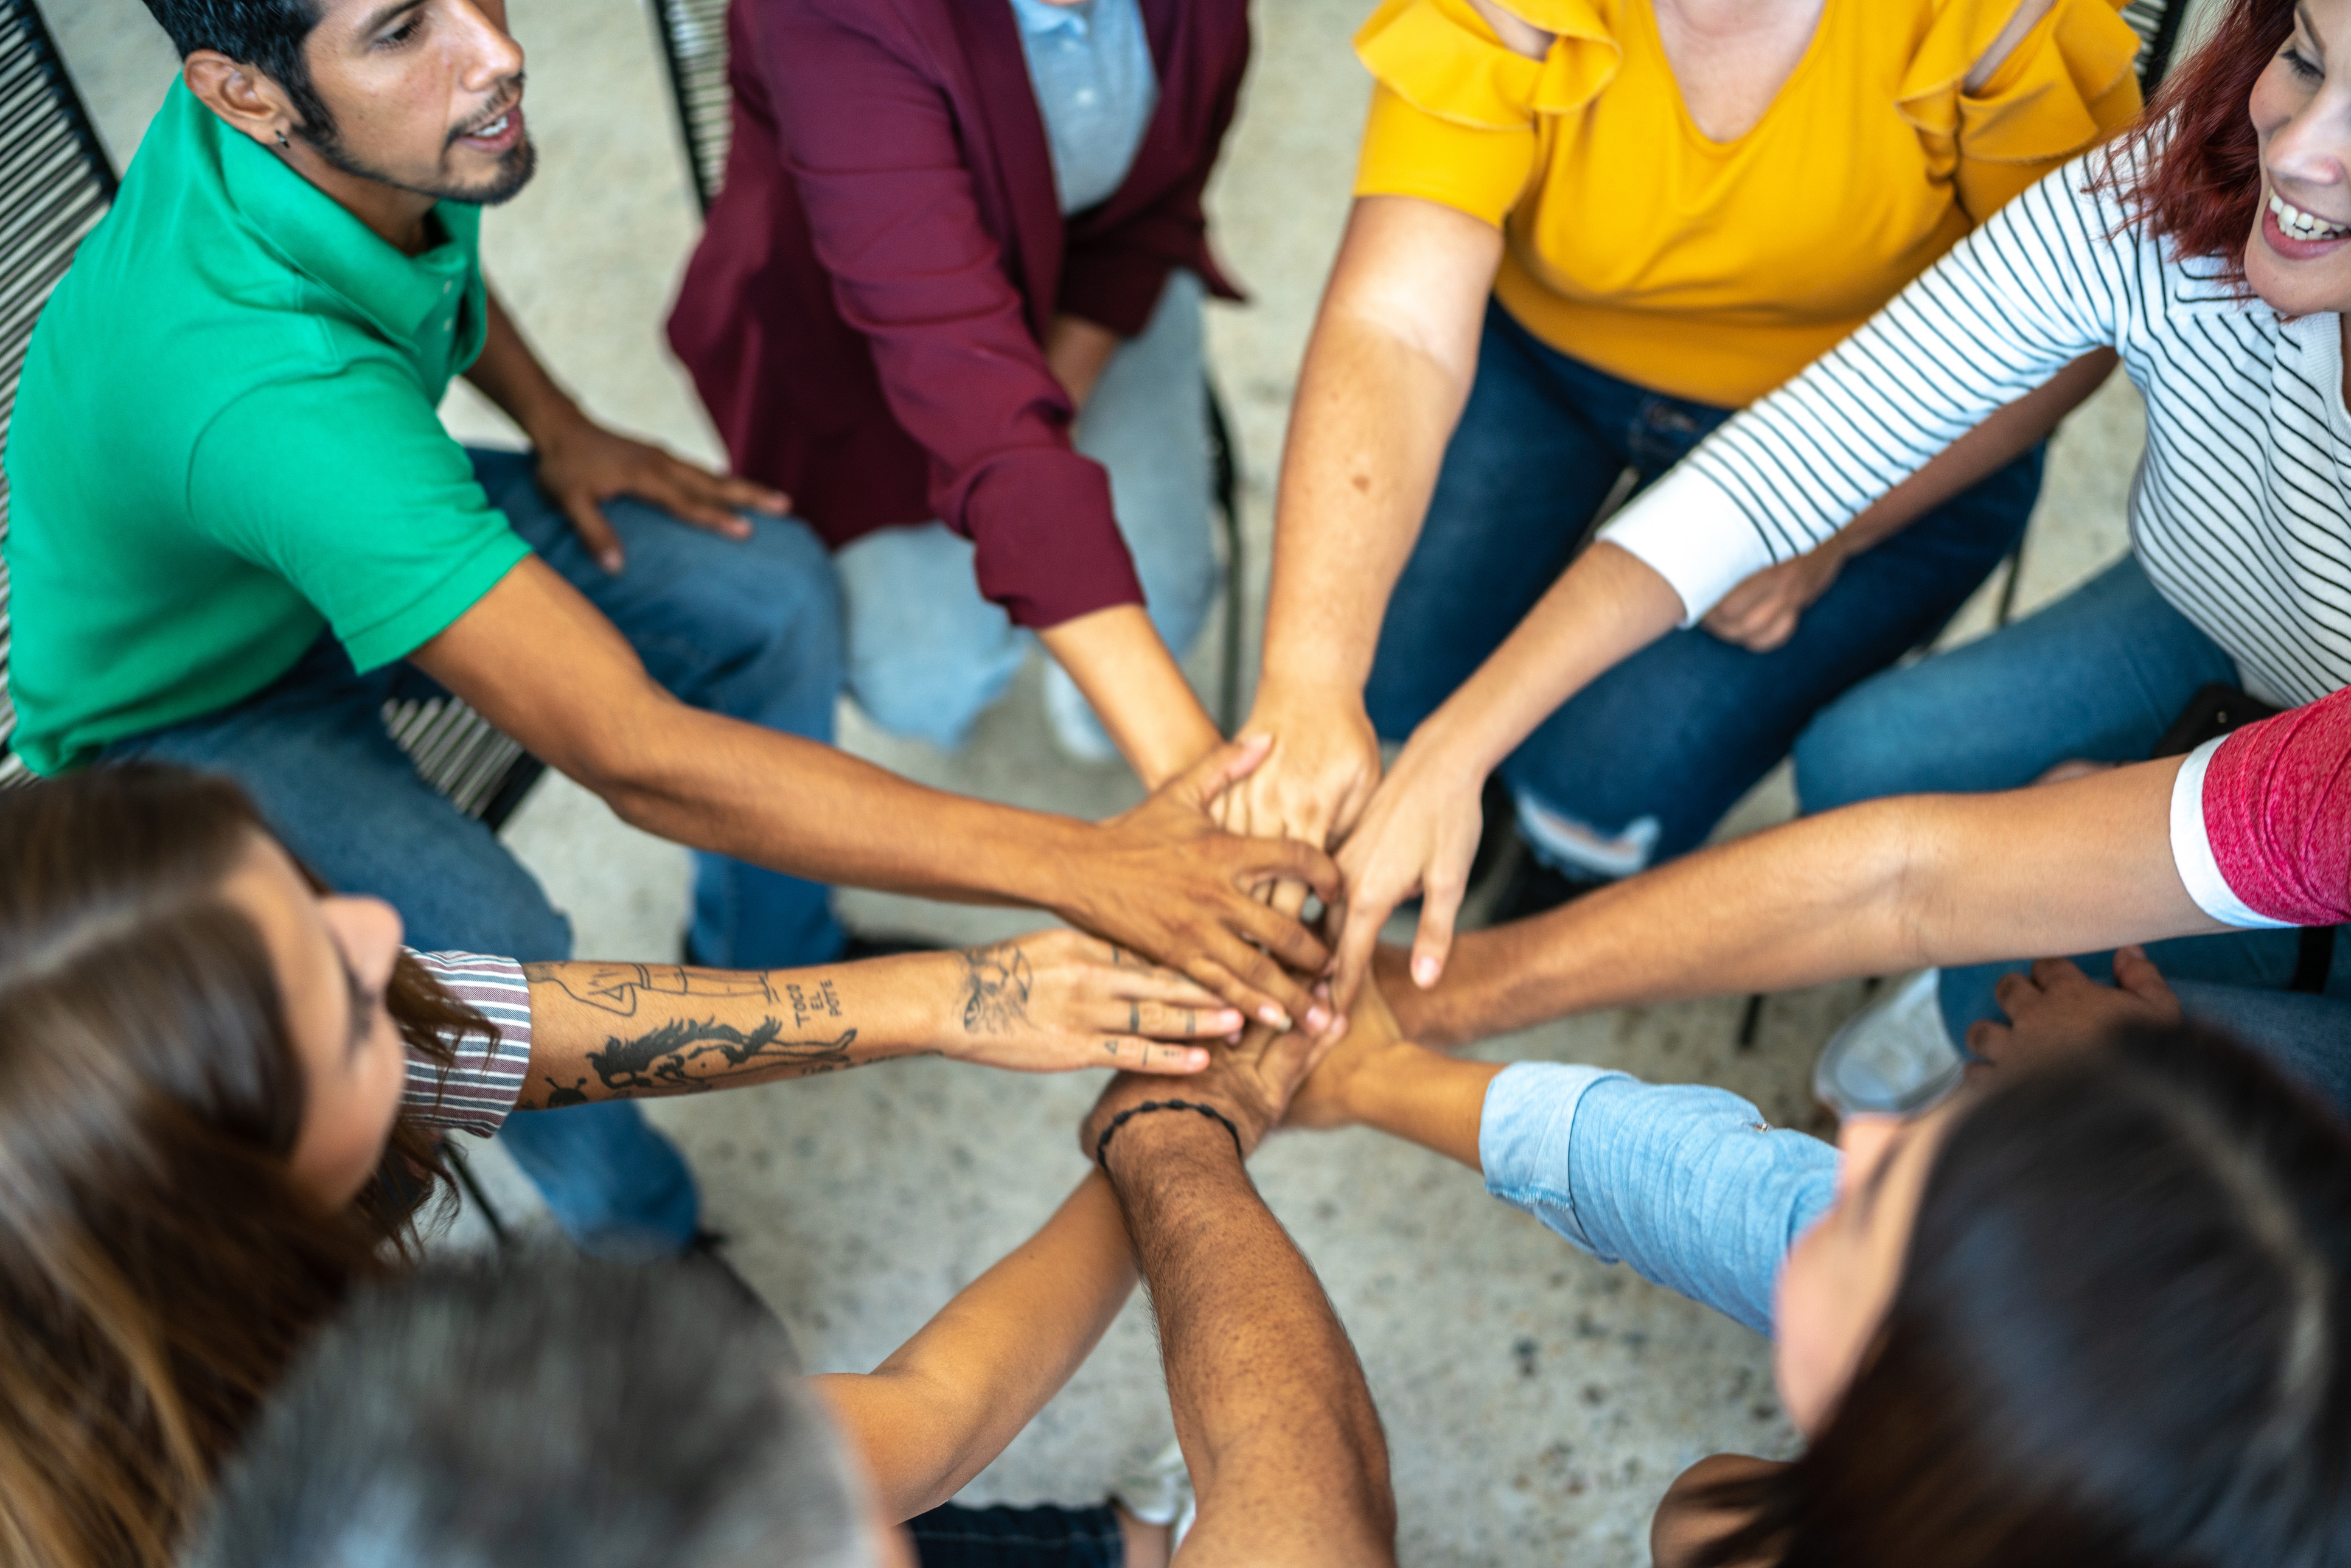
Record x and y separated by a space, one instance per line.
1317 687
551 419
1150 1142
1451 750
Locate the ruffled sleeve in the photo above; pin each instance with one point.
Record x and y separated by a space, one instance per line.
2066 86
1456 111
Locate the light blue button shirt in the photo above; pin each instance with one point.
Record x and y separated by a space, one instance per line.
1089 66
1686 1183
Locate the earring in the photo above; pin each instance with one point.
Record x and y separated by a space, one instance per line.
283 142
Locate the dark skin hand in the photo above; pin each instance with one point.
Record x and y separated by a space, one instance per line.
581 464
2056 1008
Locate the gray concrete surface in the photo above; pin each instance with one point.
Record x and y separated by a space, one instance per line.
1537 1403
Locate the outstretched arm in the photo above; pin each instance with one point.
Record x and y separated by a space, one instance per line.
535 659
1872 889
1277 1423
1046 1002
948 1400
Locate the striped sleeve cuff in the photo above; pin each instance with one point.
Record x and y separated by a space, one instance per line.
481 1086
1687 529
2191 847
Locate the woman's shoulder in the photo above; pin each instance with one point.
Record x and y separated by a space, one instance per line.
1491 64
2018 80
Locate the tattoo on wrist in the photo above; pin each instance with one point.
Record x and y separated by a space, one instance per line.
997 982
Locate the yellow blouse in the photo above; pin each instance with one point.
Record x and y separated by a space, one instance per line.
1715 270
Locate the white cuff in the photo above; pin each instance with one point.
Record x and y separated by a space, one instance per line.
1687 529
2192 848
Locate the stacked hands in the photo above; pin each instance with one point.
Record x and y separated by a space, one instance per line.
1266 1079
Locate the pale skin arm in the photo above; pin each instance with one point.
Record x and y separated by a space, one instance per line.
1051 1001
1873 889
1377 1079
949 1399
1116 656
537 660
582 465
1385 375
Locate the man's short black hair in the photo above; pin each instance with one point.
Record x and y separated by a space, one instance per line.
555 1413
267 34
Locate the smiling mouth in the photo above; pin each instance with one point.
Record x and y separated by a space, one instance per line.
2297 224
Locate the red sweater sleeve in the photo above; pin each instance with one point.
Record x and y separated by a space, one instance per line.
879 166
2277 812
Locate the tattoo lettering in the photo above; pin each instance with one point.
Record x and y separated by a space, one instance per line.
806 1005
663 1057
616 987
996 983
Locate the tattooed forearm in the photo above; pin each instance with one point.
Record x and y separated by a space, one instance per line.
664 1059
617 987
821 1003
997 982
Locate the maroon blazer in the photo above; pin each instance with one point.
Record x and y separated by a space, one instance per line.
866 313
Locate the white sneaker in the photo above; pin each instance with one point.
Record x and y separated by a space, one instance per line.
1161 1493
1893 1057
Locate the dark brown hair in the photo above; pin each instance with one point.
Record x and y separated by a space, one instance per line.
158 1267
2119 1339
2200 177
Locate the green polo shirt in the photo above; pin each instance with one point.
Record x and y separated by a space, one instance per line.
225 441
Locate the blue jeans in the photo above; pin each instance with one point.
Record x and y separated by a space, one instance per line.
1654 751
751 630
2308 1037
2100 675
927 654
1047 1537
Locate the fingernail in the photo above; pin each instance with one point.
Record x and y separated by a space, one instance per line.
611 563
1318 1018
1424 971
1271 1014
1229 1021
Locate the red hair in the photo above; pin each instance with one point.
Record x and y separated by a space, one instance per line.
2202 187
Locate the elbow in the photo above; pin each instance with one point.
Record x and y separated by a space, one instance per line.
1904 877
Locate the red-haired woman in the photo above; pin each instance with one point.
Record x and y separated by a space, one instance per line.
2213 250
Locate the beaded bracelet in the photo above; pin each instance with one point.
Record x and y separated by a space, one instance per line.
1101 1145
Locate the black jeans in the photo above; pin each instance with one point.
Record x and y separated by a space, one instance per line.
1047 1537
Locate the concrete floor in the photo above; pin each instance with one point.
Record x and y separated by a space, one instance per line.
1536 1402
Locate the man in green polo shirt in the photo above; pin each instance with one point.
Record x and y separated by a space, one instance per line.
238 528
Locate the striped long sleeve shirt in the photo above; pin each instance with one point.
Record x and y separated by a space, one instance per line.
2241 511
485 1079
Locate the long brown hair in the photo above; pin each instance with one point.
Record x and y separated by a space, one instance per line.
2200 169
157 1265
2122 1338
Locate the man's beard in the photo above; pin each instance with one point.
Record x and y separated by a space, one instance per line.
513 171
